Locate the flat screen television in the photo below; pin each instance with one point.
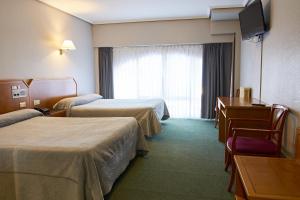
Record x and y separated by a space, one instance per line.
252 20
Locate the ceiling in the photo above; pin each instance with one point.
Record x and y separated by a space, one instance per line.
118 11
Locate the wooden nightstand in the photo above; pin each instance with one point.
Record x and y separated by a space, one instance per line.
57 113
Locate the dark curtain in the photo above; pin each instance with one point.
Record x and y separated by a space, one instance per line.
106 72
216 76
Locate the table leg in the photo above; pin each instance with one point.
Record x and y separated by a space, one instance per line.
239 188
222 127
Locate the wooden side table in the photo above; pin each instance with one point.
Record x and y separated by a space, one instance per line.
266 178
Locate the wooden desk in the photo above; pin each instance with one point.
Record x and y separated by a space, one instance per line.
265 178
235 107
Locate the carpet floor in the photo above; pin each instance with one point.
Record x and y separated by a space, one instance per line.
185 162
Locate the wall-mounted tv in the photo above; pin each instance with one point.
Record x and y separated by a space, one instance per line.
252 20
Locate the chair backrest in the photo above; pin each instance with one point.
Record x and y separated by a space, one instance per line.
245 93
278 117
278 114
237 94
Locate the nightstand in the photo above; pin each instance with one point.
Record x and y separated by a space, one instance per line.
57 113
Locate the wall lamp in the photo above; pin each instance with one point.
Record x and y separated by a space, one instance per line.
67 45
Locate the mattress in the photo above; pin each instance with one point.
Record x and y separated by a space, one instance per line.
148 112
65 158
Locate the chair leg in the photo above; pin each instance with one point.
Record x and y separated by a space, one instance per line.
226 156
232 177
228 162
227 159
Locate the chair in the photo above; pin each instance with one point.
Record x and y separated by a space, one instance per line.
217 111
255 137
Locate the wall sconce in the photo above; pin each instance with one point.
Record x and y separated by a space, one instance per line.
67 46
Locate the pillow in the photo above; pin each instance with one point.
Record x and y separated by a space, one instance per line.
67 103
18 116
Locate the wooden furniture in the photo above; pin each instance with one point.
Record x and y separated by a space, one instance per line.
255 137
217 111
46 92
50 91
234 107
57 113
7 102
265 178
297 151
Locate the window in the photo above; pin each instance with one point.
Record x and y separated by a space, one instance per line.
173 73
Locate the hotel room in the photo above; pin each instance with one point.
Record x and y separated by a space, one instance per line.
149 100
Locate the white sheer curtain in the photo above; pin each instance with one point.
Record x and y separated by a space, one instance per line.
173 73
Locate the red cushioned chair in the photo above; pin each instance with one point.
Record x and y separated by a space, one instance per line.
255 137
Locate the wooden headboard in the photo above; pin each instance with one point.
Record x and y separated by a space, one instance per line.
7 102
50 91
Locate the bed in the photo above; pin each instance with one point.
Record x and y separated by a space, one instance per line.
148 112
64 158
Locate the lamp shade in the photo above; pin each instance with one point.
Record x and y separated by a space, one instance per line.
68 45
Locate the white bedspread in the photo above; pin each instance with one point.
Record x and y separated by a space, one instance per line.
65 158
148 112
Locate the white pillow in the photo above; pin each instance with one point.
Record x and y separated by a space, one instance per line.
18 116
67 103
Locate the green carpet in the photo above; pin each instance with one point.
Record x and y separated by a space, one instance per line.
185 162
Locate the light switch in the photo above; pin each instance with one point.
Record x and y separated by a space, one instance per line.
23 104
36 102
19 93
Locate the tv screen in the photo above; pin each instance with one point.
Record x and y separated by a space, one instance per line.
252 20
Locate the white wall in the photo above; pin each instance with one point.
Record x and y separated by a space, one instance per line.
225 28
31 34
194 31
250 67
281 58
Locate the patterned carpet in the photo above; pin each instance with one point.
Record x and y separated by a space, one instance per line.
185 162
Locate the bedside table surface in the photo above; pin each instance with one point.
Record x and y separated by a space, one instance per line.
269 178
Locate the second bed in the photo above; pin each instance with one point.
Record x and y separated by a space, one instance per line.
148 112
